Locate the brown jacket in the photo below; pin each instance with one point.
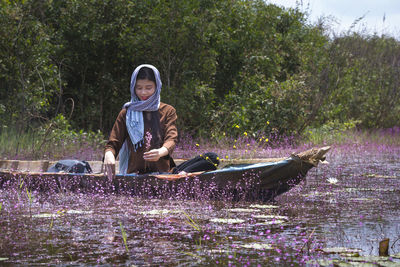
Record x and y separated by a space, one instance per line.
169 137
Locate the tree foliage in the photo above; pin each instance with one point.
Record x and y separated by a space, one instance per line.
28 77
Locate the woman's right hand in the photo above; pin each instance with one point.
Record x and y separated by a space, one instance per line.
109 165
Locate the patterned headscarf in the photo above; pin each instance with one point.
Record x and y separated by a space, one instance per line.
134 116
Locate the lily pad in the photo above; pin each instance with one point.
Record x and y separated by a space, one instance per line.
273 222
396 256
370 258
242 210
45 215
257 246
322 262
339 250
160 212
372 261
317 194
364 199
350 263
350 254
352 189
388 263
380 176
220 251
257 206
227 221
79 212
271 216
3 259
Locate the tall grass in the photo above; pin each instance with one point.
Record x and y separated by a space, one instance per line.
329 136
50 144
14 144
32 145
124 236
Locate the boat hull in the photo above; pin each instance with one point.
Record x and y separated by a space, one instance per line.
262 181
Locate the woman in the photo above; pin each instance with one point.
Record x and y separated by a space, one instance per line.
144 133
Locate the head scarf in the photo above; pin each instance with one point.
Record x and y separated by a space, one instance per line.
134 116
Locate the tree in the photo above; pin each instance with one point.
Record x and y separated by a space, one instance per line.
28 77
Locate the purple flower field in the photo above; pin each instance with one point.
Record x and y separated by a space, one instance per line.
337 216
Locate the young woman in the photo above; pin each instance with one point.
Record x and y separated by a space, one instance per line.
144 133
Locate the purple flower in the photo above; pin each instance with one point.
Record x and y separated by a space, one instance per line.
148 140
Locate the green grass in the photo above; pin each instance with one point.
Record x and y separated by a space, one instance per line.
345 136
59 143
49 143
13 143
124 237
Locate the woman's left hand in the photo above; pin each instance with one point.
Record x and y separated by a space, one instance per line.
155 154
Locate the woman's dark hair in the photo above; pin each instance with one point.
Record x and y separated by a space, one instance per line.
146 73
155 130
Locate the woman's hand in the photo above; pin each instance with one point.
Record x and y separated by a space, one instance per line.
155 154
109 165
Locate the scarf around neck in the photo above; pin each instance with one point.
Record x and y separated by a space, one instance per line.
134 116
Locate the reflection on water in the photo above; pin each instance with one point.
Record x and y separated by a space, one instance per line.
352 203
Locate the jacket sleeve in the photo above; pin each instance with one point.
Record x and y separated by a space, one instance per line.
118 134
171 132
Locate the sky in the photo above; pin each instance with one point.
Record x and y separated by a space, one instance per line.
379 16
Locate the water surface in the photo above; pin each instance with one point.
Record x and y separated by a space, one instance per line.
353 203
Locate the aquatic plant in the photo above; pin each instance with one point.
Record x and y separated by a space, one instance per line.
296 229
53 142
148 138
191 222
124 236
29 196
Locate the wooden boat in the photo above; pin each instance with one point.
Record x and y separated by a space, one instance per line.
257 181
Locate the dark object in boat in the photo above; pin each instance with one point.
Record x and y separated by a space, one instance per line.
260 181
207 162
71 166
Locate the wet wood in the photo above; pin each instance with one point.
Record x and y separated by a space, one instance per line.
384 247
251 182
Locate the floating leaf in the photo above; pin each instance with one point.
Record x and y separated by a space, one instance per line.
380 176
257 206
353 189
160 212
258 246
222 251
228 221
272 222
388 264
79 211
339 250
322 262
397 256
3 259
350 254
316 193
370 258
364 199
271 216
372 261
45 215
242 210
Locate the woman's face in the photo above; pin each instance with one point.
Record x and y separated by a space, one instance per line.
144 89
